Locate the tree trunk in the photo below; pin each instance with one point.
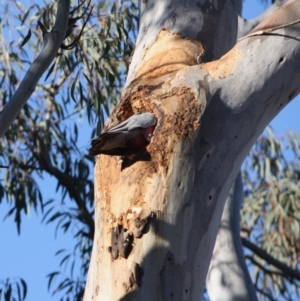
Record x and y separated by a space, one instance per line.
157 215
228 278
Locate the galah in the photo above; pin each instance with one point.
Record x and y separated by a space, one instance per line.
130 136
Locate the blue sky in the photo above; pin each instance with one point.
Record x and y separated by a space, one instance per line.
31 255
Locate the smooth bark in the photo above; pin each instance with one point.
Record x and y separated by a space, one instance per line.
209 116
52 43
228 277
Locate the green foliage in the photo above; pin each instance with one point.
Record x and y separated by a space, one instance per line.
83 83
46 138
13 290
271 211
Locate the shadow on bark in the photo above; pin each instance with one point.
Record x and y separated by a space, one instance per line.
171 281
143 155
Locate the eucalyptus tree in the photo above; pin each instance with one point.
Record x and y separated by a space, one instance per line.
268 229
270 215
82 83
157 214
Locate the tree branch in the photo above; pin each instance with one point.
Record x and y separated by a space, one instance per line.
270 259
264 293
52 43
268 30
43 159
45 163
281 287
245 26
67 182
228 257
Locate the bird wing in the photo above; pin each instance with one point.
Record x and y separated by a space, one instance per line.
141 120
119 138
110 140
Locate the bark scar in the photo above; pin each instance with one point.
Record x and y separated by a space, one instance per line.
121 242
140 223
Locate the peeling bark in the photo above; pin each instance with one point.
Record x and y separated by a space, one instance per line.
209 115
245 26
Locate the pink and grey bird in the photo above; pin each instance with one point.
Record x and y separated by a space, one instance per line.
130 136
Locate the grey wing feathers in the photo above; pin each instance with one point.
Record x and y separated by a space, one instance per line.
142 120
